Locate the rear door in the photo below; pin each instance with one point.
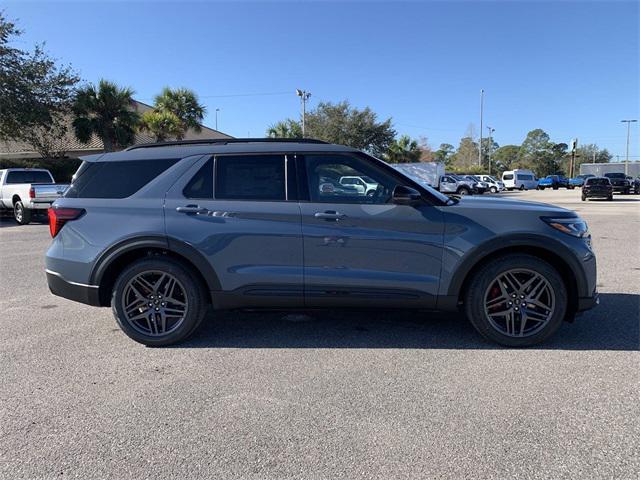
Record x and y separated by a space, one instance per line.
241 213
361 250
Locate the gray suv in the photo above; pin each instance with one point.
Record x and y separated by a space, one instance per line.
161 232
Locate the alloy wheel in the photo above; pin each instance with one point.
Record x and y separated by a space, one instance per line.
18 213
519 302
154 303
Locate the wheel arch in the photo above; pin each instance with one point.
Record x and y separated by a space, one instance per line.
553 252
15 199
117 257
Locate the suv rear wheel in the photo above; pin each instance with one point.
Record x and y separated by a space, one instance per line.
156 302
463 191
516 300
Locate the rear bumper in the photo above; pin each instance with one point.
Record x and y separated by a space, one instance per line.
78 292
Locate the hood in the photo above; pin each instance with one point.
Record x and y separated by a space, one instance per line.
510 205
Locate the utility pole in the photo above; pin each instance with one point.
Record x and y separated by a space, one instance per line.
491 130
304 96
626 162
574 146
217 110
481 111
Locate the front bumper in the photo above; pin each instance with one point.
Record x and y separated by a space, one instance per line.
78 292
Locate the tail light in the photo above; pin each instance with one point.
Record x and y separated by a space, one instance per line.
58 216
32 192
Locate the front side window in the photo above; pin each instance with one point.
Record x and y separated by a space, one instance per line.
507 176
325 173
250 177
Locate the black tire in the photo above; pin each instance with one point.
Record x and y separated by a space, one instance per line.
21 214
584 198
483 279
555 188
627 191
610 197
493 190
522 187
570 188
541 188
194 294
463 191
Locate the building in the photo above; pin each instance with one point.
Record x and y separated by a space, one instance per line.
74 149
599 169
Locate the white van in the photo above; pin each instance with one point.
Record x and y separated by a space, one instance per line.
520 178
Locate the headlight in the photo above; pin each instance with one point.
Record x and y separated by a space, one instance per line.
574 226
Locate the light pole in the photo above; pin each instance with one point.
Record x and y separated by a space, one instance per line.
491 130
217 110
304 96
626 162
480 146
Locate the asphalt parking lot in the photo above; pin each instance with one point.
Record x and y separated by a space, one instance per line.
333 395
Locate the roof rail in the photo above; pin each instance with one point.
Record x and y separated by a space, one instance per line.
224 141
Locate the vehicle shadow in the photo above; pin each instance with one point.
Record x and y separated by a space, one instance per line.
613 325
9 221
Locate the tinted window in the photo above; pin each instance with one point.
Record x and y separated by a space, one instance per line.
598 181
28 176
115 179
250 177
201 185
507 176
325 171
522 176
614 175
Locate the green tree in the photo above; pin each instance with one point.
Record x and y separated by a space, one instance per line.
540 154
505 157
183 103
488 149
34 90
346 125
107 112
285 129
403 150
444 154
162 125
467 154
591 153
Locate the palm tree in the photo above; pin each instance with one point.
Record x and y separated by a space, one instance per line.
183 103
403 150
285 129
107 112
162 125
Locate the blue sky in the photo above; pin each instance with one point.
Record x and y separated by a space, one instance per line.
568 67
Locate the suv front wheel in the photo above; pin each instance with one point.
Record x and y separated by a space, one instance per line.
516 300
156 302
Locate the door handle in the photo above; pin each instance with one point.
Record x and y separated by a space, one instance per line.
330 215
192 209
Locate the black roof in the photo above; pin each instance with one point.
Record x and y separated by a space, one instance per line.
224 141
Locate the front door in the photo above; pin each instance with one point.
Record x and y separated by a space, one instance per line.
240 213
360 249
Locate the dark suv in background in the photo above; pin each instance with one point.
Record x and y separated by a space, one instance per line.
619 182
160 232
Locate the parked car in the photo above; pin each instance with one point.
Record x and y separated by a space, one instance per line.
363 184
28 191
619 182
162 233
636 185
555 182
451 183
578 181
494 184
520 178
479 185
597 187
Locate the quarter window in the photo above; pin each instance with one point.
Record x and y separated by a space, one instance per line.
250 177
201 185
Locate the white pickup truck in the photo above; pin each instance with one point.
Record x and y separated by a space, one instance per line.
26 191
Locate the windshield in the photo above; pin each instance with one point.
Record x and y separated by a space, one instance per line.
493 179
614 175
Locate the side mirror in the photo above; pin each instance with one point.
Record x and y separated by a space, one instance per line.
403 195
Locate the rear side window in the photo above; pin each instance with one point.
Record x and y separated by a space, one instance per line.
28 176
507 176
250 177
115 179
201 185
522 176
598 181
